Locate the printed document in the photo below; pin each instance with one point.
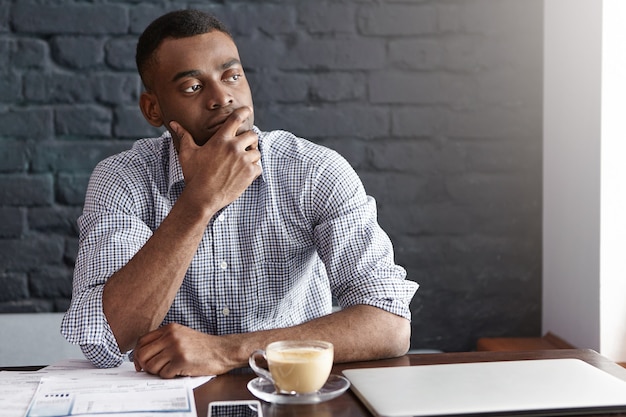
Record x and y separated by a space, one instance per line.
74 397
75 387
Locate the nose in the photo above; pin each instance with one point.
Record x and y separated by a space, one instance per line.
218 95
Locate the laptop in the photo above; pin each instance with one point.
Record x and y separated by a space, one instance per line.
527 387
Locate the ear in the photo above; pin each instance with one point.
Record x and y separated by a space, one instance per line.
149 106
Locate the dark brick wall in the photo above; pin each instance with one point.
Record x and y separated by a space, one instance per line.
436 103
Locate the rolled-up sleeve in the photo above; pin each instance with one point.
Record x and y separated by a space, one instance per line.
357 253
110 234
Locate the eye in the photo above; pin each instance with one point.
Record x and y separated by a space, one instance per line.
233 77
192 88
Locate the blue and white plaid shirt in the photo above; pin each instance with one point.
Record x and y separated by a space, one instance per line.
303 232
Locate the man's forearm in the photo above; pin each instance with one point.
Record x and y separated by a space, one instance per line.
359 332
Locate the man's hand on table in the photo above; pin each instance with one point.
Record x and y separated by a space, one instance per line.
175 350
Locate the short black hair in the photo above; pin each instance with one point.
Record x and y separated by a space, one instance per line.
177 24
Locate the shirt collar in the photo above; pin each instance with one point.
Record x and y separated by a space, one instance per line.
175 173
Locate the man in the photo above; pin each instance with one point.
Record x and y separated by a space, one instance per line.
198 247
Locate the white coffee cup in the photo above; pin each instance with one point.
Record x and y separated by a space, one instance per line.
295 366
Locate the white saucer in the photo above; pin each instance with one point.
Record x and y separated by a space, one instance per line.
265 390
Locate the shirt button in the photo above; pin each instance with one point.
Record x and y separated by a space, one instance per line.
221 217
223 265
226 311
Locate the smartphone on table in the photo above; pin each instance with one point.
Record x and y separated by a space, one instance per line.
238 408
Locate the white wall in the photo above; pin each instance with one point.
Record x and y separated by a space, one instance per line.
571 171
582 289
613 191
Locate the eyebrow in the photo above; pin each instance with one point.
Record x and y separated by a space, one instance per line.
193 73
183 74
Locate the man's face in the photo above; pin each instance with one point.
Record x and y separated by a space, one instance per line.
198 81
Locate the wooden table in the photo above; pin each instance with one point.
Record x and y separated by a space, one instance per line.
232 386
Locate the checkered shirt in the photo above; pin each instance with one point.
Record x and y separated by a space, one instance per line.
303 233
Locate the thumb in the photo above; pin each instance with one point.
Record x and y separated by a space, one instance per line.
182 138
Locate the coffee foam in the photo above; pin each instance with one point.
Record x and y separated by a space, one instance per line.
303 354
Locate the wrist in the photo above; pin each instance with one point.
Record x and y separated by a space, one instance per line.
194 208
238 348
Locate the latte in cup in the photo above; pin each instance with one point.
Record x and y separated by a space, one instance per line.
300 367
